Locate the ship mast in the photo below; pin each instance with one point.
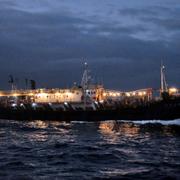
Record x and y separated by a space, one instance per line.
164 87
11 81
86 77
85 82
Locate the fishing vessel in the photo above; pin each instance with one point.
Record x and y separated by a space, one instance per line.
89 101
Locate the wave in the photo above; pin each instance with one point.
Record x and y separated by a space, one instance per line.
163 122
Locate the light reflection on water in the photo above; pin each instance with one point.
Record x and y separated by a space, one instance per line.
38 124
112 131
108 149
114 127
48 130
40 136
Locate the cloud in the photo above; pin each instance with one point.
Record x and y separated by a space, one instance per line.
49 39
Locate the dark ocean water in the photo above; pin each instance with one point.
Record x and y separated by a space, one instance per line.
101 150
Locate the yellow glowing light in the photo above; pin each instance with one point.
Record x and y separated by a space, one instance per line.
133 93
128 94
30 94
42 95
140 93
15 94
57 93
173 90
104 94
144 93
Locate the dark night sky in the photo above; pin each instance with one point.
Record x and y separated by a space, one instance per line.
123 41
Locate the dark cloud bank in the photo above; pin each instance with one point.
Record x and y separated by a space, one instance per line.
123 43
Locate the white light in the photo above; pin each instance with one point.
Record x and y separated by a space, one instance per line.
65 103
14 105
42 95
21 104
34 104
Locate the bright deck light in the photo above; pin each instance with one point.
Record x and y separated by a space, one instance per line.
34 104
140 93
173 90
96 102
14 105
134 93
14 94
101 101
66 103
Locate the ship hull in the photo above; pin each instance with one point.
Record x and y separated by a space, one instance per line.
164 110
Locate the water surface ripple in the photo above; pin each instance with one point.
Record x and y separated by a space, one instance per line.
102 150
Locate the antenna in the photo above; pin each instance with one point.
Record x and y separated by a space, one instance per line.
26 83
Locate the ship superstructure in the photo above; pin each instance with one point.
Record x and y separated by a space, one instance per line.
85 95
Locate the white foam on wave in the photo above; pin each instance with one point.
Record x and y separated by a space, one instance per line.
163 122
